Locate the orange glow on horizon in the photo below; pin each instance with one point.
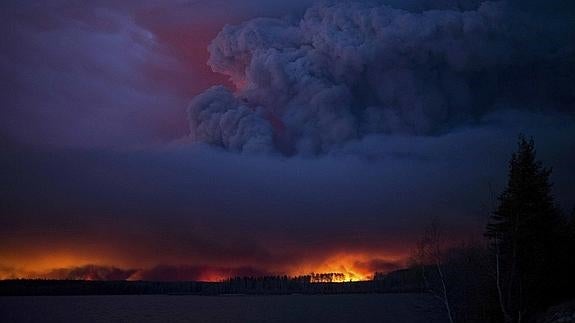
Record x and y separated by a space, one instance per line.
49 266
351 265
346 266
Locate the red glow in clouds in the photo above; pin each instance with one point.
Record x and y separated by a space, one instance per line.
347 266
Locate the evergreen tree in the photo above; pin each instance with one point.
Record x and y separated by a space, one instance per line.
524 230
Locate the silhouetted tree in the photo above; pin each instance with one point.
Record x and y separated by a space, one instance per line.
430 253
523 230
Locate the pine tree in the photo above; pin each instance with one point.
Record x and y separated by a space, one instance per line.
522 230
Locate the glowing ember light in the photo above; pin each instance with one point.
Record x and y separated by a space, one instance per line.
339 267
347 267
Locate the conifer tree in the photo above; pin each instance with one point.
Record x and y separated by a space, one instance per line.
523 234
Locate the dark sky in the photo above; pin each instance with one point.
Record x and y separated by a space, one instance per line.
202 139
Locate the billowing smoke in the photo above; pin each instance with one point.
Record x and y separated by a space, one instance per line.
156 273
345 71
87 272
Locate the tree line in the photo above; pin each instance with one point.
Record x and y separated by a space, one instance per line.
524 265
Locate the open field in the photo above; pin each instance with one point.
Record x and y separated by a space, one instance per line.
190 308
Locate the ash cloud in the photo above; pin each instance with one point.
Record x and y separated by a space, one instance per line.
156 273
410 110
83 76
206 207
348 70
195 273
87 272
108 74
379 265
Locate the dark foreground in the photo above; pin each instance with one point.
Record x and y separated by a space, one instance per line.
400 281
192 308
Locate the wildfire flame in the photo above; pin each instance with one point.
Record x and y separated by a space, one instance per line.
342 267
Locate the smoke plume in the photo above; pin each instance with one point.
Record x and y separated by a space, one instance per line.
345 71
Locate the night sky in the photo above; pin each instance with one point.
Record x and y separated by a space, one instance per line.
183 139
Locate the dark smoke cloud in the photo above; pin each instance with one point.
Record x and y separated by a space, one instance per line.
349 70
379 265
195 273
83 77
155 273
409 110
88 272
205 207
108 73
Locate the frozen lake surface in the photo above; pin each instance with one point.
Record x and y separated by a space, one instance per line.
187 308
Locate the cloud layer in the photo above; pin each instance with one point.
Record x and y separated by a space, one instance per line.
108 73
354 209
348 70
357 123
